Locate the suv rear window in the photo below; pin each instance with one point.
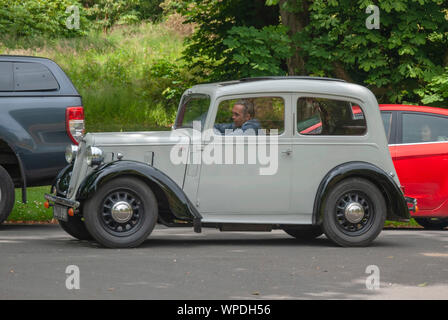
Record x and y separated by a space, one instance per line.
32 76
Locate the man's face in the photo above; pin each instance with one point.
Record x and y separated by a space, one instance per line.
239 116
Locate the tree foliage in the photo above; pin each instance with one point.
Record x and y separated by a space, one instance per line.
38 17
216 47
107 13
403 61
255 52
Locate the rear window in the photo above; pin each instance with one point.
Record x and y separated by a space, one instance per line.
32 76
320 116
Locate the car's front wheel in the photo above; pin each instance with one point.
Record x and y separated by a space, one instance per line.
433 223
354 213
122 213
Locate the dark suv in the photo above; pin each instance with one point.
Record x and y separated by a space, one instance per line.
40 114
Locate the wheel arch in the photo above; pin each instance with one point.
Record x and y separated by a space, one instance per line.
11 161
396 204
173 203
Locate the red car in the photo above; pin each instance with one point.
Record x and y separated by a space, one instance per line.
418 143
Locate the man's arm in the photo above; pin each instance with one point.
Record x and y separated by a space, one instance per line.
222 127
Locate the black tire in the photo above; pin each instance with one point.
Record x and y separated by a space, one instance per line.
304 232
139 213
76 228
7 194
433 223
349 201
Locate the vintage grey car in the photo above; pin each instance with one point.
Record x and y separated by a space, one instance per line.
302 154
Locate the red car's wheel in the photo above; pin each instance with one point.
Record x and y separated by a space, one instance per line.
432 223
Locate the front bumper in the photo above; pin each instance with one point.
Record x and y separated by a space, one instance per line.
61 201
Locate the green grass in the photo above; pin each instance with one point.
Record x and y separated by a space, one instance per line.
121 75
34 209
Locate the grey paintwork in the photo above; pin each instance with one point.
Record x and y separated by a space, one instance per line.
237 193
32 124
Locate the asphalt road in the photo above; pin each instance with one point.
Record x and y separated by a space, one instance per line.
179 264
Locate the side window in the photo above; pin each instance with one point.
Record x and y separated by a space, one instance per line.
320 116
33 77
246 116
387 122
419 128
193 108
6 77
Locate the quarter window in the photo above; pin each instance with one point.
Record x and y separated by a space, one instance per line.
320 116
418 128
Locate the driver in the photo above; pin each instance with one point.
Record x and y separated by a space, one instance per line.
244 122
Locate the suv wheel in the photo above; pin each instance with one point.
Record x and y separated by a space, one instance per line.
305 232
354 213
76 228
7 194
122 213
433 223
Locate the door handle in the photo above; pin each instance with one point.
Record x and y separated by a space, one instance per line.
287 152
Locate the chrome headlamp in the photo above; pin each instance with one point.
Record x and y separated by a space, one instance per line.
70 153
94 156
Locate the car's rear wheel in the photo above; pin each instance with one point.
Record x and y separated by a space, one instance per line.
76 228
7 194
304 232
122 213
433 223
354 213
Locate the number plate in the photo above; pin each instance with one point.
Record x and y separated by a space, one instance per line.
60 213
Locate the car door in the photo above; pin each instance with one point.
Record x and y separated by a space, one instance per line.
421 158
254 174
329 131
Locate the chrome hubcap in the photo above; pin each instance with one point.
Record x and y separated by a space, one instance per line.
122 212
354 212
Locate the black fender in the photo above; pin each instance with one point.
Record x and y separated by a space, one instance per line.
179 204
62 181
397 208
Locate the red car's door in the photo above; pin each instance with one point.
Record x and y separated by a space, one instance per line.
421 159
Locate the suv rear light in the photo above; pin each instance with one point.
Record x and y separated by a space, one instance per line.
74 119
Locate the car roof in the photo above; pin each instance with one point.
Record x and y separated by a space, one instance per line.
289 84
404 107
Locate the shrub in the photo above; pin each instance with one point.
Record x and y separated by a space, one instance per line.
39 18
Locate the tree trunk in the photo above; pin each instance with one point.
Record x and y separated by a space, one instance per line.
296 21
